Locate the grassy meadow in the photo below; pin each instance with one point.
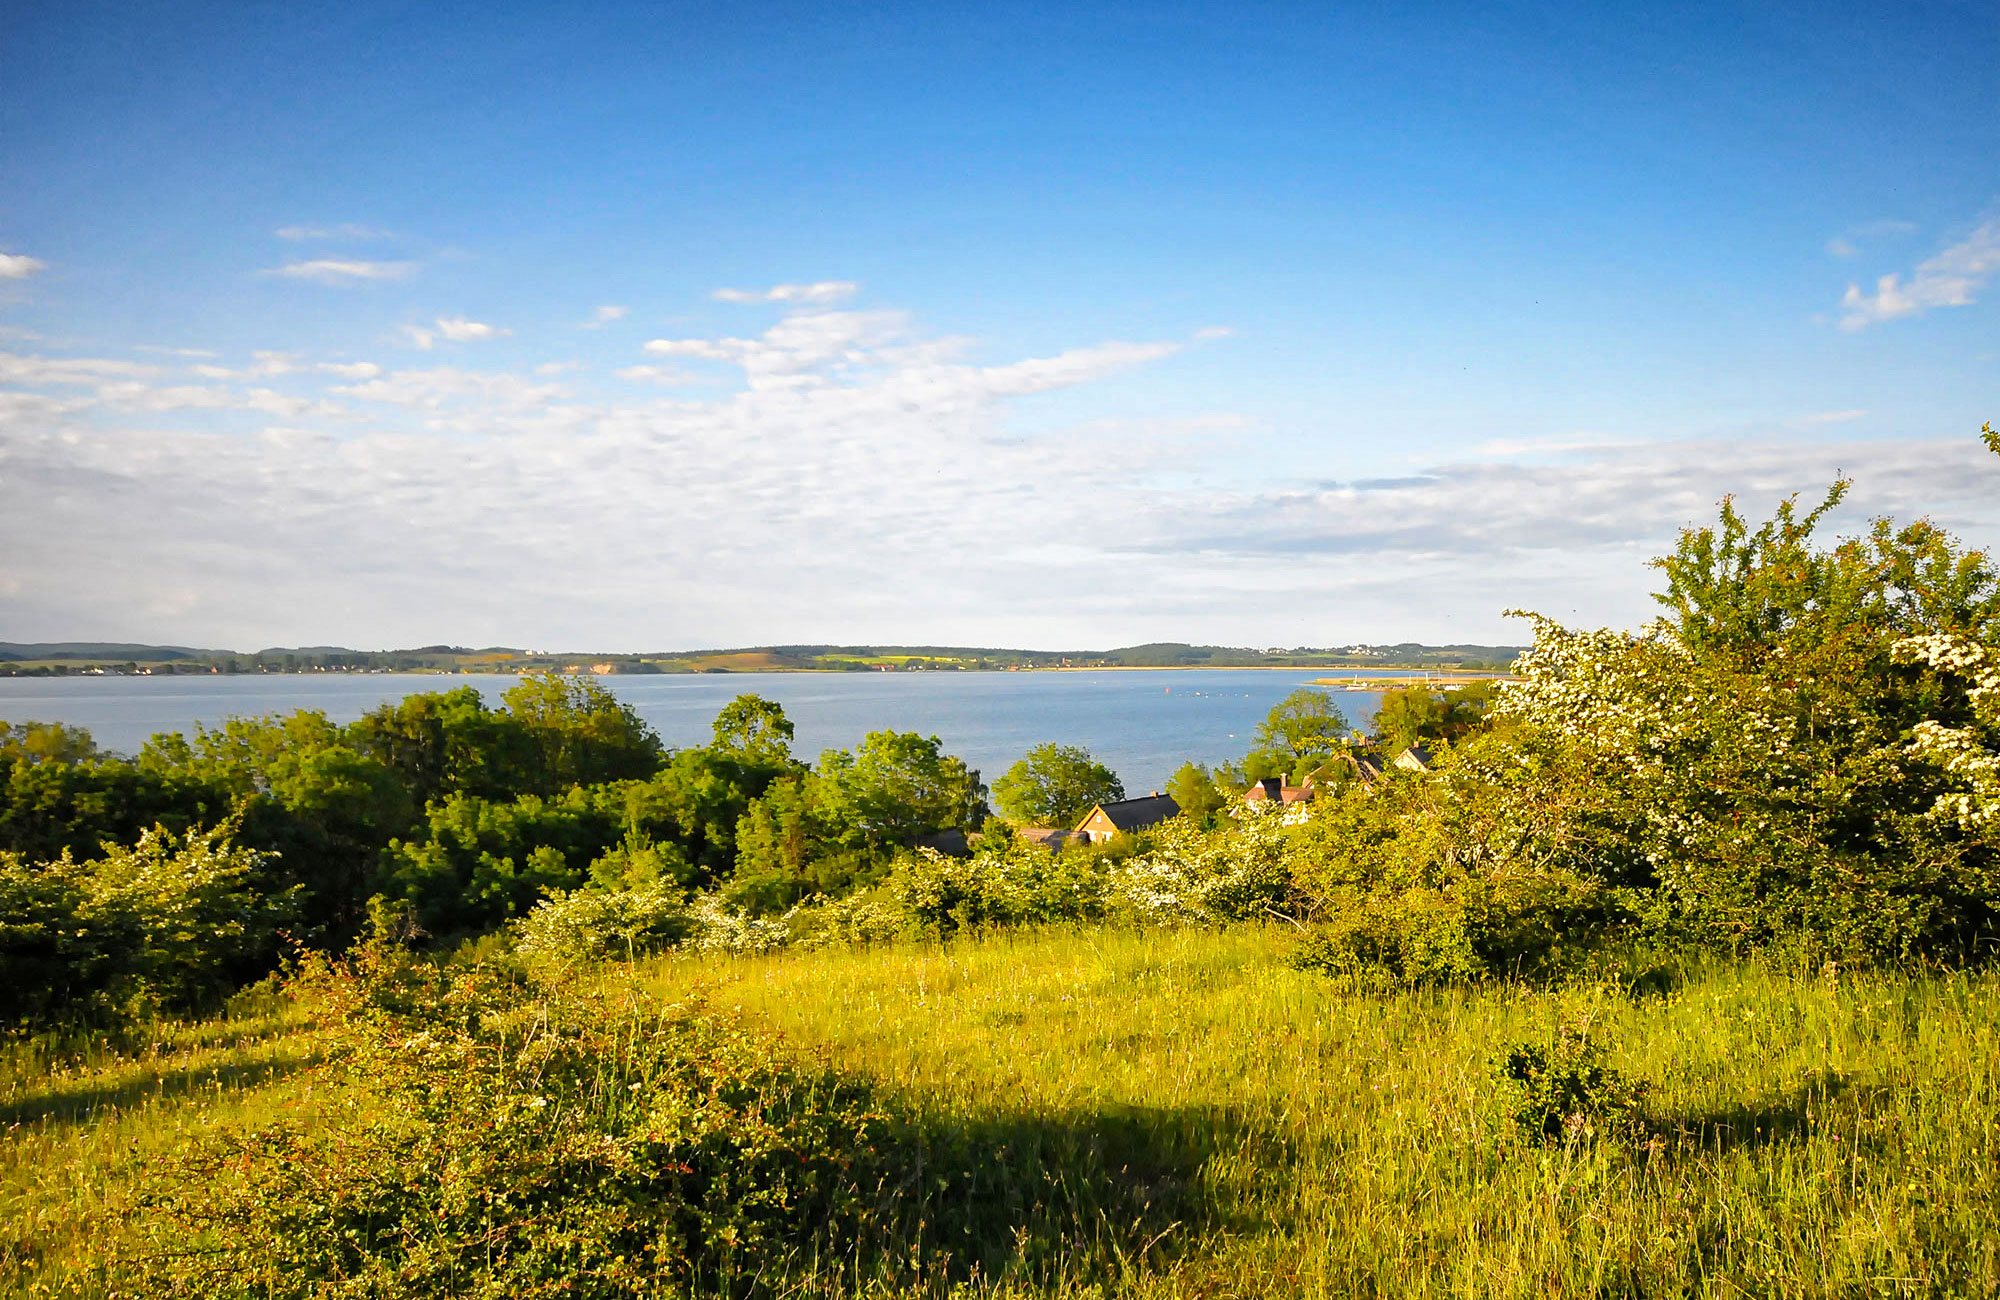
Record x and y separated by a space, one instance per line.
1202 1120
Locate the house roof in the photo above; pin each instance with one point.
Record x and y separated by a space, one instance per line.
1271 788
951 843
1135 814
1049 837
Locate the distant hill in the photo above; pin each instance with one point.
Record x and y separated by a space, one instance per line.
101 651
64 657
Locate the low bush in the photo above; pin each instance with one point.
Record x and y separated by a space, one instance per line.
1534 925
490 1142
174 922
570 929
1564 1092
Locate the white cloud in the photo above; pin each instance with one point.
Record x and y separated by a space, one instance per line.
444 386
823 291
200 354
453 329
1950 279
1214 332
338 271
212 397
1848 243
460 330
604 315
342 232
263 365
351 369
876 481
1828 417
38 371
19 266
664 376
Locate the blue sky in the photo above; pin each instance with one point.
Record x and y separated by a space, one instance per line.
664 326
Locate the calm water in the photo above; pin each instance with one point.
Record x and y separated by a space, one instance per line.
1142 724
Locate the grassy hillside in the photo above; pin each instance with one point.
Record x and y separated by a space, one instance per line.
1201 1120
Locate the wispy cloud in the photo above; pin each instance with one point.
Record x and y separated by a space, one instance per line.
19 266
263 365
1818 418
1848 243
1953 278
198 354
351 369
875 478
345 231
603 316
34 371
340 271
848 445
664 376
460 330
453 329
823 291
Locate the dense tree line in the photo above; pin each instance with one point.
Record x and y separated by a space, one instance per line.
460 814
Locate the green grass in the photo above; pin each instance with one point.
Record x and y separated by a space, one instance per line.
1821 1137
82 1122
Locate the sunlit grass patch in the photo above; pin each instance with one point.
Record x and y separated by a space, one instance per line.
1181 1113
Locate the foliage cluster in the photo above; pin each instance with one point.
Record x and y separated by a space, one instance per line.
574 1139
1566 1092
467 814
171 921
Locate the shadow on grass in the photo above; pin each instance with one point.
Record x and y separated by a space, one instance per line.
1653 982
78 1104
1780 1119
1037 1199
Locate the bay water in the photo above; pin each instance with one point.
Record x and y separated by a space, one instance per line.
1141 723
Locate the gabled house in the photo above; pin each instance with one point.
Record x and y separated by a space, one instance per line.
1049 837
1127 815
1414 759
1272 789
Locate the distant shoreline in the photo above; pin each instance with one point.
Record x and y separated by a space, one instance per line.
1402 671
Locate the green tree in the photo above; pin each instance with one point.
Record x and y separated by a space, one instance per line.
171 922
319 810
46 742
479 862
1408 715
756 731
896 786
1195 790
1055 785
448 742
581 733
1303 730
1415 714
1747 764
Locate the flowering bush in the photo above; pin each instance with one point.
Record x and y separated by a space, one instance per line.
1011 883
173 922
567 929
1235 873
1746 766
